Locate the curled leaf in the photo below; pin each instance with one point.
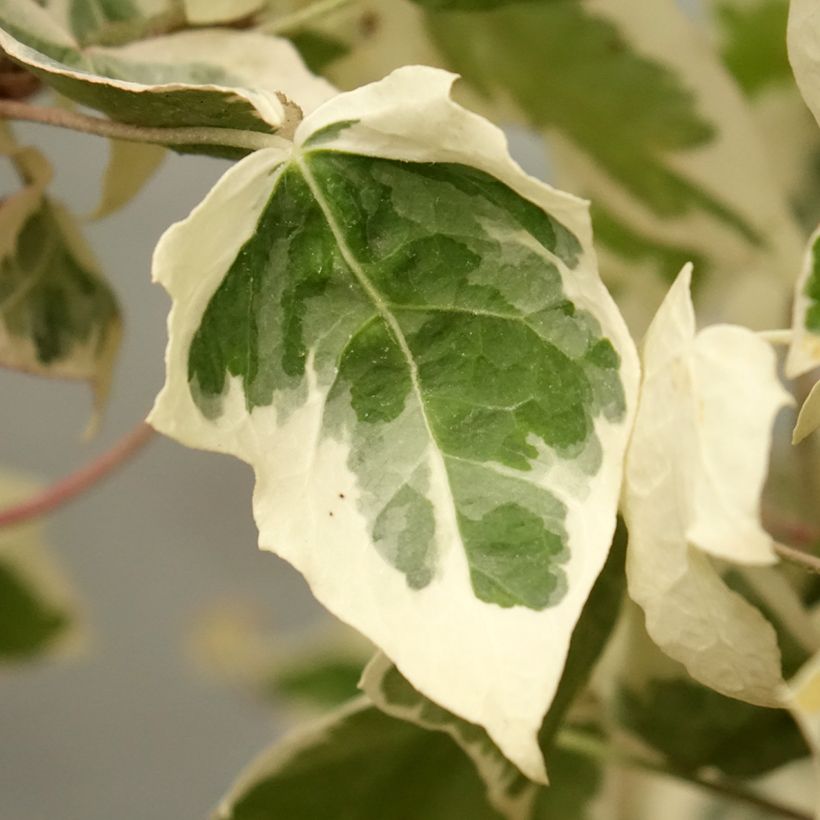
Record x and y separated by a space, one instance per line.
694 473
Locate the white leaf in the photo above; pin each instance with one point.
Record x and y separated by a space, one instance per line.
695 469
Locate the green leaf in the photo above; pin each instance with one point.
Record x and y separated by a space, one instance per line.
58 317
508 790
593 631
360 764
754 42
208 78
695 471
28 624
317 49
37 612
329 681
739 739
406 337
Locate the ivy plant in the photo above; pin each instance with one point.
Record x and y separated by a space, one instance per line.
484 421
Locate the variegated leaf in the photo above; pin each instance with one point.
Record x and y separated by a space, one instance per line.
94 20
407 338
209 78
695 469
652 693
58 317
362 762
512 794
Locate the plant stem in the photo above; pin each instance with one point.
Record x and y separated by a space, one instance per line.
62 118
300 18
804 560
77 482
593 747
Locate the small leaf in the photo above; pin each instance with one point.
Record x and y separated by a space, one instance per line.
130 166
406 336
37 610
210 78
58 317
694 473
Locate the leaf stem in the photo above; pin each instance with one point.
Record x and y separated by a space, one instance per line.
781 337
78 482
804 560
300 18
63 118
591 746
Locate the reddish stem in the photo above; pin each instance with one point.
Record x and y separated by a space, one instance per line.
78 482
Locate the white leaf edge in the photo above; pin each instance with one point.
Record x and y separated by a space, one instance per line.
673 504
493 768
506 682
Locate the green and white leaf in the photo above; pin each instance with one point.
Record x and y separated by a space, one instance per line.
643 120
407 338
213 78
38 608
803 698
360 761
508 790
58 316
90 20
362 764
652 693
694 474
